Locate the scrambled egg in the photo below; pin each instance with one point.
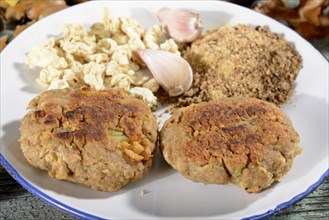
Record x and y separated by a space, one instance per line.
104 56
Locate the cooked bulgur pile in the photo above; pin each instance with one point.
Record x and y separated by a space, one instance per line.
241 60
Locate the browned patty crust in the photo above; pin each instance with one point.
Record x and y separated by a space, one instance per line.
102 139
246 141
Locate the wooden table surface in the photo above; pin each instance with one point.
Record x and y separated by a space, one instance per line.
18 203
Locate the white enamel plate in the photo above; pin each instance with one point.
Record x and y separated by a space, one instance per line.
169 195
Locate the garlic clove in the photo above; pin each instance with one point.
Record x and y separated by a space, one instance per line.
181 25
171 71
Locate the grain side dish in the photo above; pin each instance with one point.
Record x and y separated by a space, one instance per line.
241 60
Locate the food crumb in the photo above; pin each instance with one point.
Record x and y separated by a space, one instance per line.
143 192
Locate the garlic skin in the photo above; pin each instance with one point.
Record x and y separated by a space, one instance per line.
182 25
171 71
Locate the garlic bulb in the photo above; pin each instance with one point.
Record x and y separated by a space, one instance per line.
181 25
171 71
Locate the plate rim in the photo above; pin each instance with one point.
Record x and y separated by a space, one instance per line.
39 194
80 214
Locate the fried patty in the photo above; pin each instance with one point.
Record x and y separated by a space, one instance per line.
246 141
241 60
101 139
